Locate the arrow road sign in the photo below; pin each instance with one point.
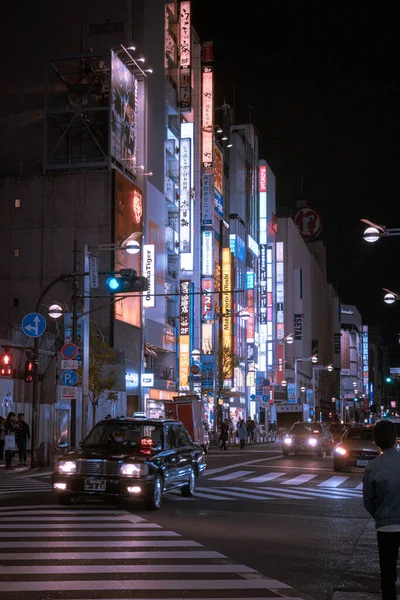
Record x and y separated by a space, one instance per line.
33 325
69 351
69 377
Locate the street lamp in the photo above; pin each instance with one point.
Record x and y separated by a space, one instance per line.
390 297
55 311
313 359
375 232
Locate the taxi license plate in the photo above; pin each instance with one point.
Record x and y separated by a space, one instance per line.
362 463
95 485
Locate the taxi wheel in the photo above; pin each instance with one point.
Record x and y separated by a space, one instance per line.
188 490
155 497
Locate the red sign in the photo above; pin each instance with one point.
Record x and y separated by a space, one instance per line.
308 222
207 299
281 363
263 178
195 369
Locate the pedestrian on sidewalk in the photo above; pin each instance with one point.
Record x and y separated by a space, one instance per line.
224 434
9 429
242 433
22 436
2 436
381 494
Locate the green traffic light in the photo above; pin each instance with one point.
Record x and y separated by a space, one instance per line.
113 283
388 380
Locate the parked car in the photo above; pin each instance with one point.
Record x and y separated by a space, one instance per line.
310 438
356 449
130 458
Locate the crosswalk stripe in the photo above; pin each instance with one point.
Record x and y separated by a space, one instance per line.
87 526
270 494
299 479
110 544
333 481
228 476
227 492
360 486
142 584
79 569
87 533
156 554
212 497
337 492
310 492
55 509
263 478
79 520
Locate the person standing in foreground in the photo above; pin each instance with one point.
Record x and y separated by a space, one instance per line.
22 436
381 494
242 434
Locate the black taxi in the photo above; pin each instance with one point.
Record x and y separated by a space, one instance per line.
130 458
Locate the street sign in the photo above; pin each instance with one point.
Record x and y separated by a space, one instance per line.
93 272
266 398
68 393
195 369
70 364
33 325
308 222
69 377
69 351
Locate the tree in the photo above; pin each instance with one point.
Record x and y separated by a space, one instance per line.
227 361
102 377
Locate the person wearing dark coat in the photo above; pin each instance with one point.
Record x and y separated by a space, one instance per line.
9 429
224 435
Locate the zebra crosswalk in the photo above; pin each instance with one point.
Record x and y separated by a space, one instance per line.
57 551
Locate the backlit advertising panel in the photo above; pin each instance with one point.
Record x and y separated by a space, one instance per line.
185 38
207 253
263 178
207 204
218 181
148 271
365 359
184 334
207 138
280 297
281 363
227 302
185 199
207 300
124 110
128 220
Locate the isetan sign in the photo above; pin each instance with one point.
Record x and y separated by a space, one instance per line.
263 178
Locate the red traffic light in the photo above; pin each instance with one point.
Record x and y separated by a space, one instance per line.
28 371
6 367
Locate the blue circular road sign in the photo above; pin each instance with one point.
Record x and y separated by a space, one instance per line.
33 325
69 377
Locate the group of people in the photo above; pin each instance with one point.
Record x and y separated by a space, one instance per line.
17 427
245 432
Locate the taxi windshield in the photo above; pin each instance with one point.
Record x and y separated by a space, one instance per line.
108 433
359 433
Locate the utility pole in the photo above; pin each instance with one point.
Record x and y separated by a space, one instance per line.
74 336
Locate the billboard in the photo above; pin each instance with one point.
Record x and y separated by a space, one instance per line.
185 199
149 300
185 97
124 111
128 219
207 253
207 209
184 334
218 181
207 300
207 110
227 302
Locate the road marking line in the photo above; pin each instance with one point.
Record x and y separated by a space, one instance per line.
190 554
86 519
333 494
143 584
267 477
87 533
110 544
243 464
228 476
338 492
360 486
299 479
83 526
86 569
333 482
209 496
227 492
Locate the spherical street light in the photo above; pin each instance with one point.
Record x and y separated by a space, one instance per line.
314 359
132 247
333 399
354 384
244 314
329 368
371 235
55 311
390 298
196 353
284 383
302 389
289 339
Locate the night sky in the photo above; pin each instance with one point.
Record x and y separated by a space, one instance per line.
325 95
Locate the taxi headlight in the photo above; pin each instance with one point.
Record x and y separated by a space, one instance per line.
67 467
287 441
313 442
132 470
341 451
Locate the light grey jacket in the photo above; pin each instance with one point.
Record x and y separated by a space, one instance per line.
381 488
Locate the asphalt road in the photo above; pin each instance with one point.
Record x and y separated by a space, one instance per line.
291 519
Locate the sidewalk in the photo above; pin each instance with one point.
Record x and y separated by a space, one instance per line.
22 470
